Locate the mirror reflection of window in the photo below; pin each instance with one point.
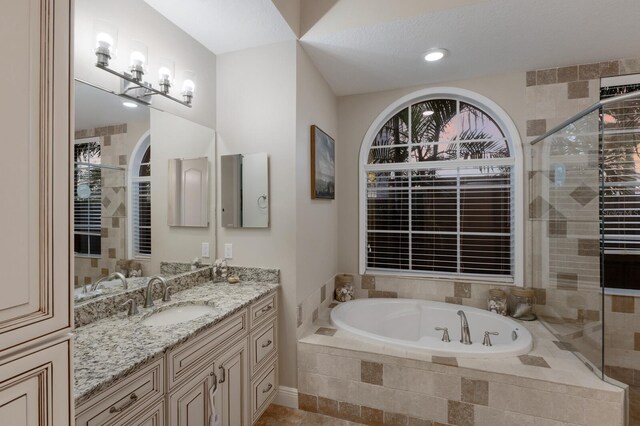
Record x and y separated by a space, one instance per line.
87 197
141 199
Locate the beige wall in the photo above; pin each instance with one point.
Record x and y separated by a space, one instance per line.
257 113
175 137
317 220
138 21
356 113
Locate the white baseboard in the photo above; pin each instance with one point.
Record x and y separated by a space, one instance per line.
287 397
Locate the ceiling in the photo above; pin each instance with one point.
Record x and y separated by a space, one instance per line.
97 108
370 45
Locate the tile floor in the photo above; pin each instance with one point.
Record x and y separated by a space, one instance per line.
277 415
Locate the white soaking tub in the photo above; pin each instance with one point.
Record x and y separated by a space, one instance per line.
411 323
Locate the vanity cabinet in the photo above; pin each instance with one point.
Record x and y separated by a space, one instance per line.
35 307
237 358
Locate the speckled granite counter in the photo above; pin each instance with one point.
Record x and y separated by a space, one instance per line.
111 348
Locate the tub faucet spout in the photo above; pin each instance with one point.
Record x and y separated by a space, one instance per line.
465 335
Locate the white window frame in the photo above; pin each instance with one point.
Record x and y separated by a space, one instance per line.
94 139
512 135
134 166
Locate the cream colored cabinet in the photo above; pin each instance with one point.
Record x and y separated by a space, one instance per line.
35 307
231 400
189 405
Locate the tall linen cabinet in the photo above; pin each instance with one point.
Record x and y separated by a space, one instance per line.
35 287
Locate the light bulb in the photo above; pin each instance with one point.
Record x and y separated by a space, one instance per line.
164 73
188 86
137 59
104 40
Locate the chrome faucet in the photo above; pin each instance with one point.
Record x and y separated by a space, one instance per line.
117 275
465 335
148 300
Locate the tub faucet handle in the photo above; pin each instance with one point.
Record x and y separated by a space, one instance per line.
445 333
487 337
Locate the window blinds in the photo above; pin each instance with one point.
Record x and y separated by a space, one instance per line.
141 208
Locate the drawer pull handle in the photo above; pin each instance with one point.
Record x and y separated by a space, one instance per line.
266 309
224 374
267 389
268 343
132 400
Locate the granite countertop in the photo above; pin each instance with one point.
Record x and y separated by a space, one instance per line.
111 348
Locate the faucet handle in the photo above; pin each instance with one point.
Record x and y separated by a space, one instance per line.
166 297
445 334
487 339
133 307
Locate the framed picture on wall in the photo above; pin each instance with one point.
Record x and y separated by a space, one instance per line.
323 165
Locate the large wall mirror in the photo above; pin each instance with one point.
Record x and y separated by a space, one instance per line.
244 190
122 190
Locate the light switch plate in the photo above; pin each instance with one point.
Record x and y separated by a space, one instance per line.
228 251
205 249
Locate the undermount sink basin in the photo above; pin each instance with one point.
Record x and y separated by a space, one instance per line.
177 314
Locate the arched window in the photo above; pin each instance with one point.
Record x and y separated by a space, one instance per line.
140 172
441 189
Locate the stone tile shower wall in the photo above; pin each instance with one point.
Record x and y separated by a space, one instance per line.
115 150
564 219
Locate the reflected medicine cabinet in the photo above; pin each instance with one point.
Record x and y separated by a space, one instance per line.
245 190
189 192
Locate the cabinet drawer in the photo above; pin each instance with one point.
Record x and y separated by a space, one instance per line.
123 397
148 416
263 309
182 360
263 389
264 344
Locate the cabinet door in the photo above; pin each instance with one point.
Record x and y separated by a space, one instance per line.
189 404
34 170
232 397
35 388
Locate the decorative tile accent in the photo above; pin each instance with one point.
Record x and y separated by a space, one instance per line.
564 346
94 262
460 413
395 419
541 296
578 89
549 76
453 300
588 247
557 228
609 69
567 74
536 127
630 66
299 315
327 406
104 232
326 331
371 372
538 207
445 360
106 140
371 416
104 272
314 315
531 78
462 290
475 391
323 293
588 71
349 411
567 281
383 294
112 253
419 422
368 282
535 361
308 402
636 341
122 160
333 305
115 222
583 194
623 304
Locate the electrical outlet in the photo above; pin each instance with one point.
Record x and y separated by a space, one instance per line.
205 249
228 251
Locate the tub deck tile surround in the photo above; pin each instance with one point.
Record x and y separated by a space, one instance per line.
550 387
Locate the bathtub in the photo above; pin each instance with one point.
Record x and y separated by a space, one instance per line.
411 323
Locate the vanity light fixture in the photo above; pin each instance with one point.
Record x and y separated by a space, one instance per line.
132 84
434 55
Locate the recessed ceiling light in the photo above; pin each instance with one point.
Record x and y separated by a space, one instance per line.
130 104
435 55
427 113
